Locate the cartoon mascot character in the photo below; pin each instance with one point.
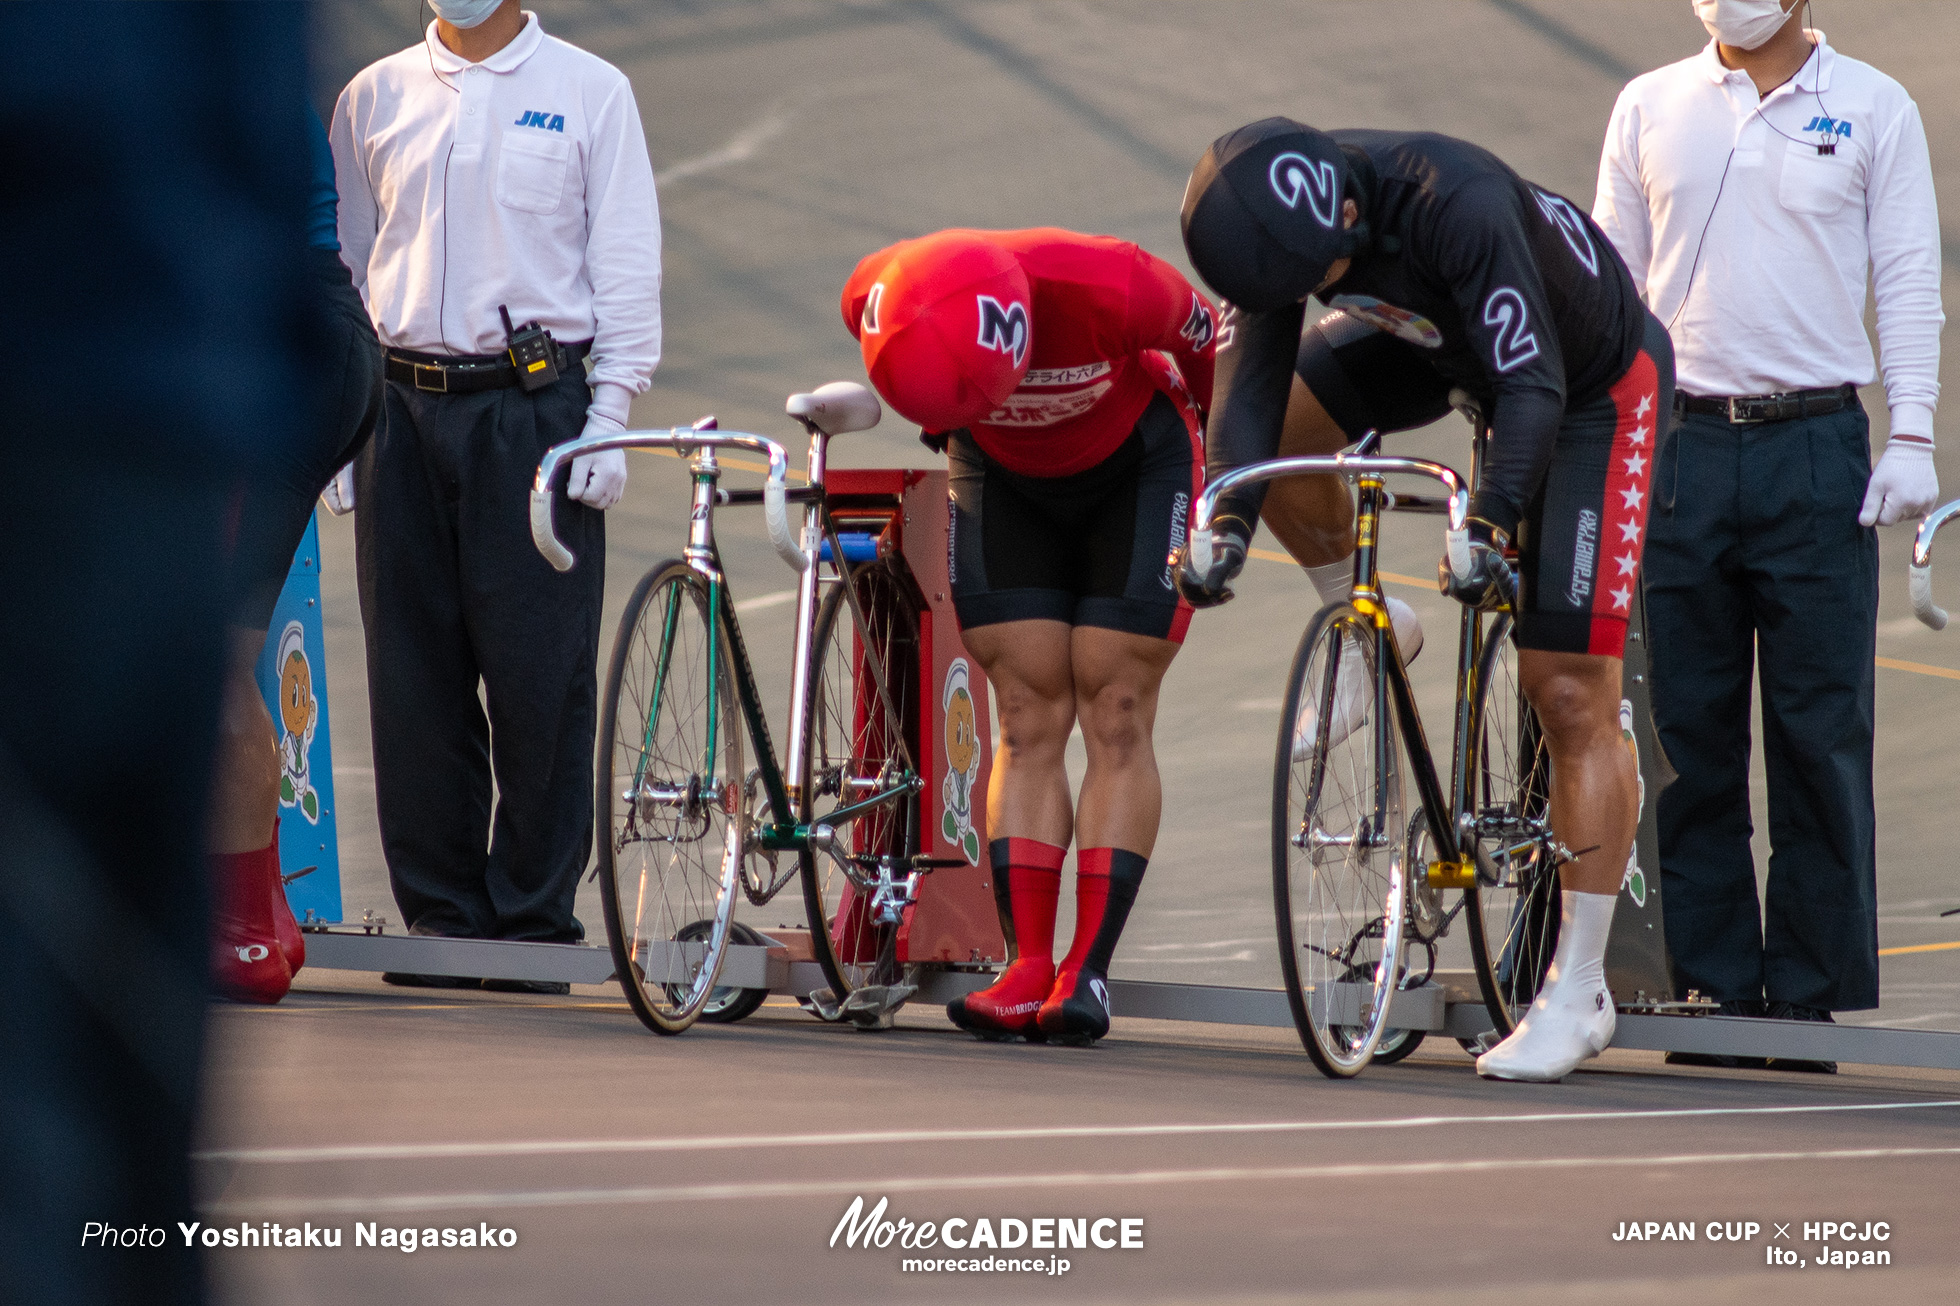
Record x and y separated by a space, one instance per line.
962 762
299 716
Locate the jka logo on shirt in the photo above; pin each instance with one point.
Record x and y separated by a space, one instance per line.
551 122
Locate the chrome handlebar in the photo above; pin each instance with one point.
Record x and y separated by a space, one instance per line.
683 440
1919 574
1197 558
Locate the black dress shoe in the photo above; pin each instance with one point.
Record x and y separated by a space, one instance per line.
557 987
412 981
1721 1060
1801 1065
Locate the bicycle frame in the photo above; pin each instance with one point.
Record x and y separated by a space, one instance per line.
780 785
1453 868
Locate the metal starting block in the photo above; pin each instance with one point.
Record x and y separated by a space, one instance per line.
1448 1004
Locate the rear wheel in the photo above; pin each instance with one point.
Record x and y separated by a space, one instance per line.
1338 835
669 786
1513 908
863 741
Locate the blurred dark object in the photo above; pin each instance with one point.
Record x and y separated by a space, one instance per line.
152 195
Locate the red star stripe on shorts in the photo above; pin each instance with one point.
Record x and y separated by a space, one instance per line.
1629 485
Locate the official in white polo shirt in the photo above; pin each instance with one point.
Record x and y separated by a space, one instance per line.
497 209
1751 189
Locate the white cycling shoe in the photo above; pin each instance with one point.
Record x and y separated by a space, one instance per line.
1561 1030
1572 1020
1351 693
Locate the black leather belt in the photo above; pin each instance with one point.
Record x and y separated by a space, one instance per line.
462 374
1742 410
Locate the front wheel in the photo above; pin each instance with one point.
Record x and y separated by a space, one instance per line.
1338 838
669 788
862 742
1513 908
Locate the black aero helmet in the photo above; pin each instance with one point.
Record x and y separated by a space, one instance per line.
1262 213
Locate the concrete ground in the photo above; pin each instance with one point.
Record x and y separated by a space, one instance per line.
791 137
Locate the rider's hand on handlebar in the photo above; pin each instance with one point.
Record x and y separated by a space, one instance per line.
1489 585
1207 582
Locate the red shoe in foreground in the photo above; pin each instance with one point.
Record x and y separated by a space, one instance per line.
1027 884
247 963
1005 1010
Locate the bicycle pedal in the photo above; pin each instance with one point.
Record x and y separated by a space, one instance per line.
1487 1040
875 1006
822 1003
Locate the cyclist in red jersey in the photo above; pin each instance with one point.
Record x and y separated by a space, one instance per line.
1066 378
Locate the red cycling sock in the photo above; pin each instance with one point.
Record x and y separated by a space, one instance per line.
1027 887
1106 883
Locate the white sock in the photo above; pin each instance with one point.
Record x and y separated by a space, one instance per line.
1333 580
1579 965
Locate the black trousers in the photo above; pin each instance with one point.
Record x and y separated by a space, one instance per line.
1759 558
455 597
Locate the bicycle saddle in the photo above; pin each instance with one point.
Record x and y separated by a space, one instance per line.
836 408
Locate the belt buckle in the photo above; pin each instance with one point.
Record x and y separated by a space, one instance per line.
440 373
1736 410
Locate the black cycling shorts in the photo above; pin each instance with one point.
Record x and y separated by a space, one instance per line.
1091 549
1580 541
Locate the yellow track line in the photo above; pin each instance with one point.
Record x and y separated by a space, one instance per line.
1918 947
1924 669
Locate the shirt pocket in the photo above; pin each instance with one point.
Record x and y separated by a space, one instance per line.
1816 184
531 172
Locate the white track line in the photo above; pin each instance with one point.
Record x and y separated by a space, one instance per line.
417 1151
413 1202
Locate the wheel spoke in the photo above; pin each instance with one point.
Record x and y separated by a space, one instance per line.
1338 847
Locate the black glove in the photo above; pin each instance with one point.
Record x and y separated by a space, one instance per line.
1213 586
1491 583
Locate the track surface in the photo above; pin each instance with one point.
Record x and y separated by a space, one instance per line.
791 138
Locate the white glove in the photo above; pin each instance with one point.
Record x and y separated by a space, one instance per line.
1903 484
598 479
339 494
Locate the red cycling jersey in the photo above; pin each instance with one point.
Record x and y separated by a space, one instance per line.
1100 306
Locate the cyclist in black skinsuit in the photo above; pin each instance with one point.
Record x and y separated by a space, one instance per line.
1445 269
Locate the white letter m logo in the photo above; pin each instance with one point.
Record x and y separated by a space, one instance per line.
1004 328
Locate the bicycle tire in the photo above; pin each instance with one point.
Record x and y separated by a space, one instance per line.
1397 1044
850 741
1513 906
1339 899
668 845
728 1003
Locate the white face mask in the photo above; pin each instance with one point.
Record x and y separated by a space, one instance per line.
464 13
1744 24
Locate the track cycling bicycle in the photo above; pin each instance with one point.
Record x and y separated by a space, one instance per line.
1358 879
687 830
